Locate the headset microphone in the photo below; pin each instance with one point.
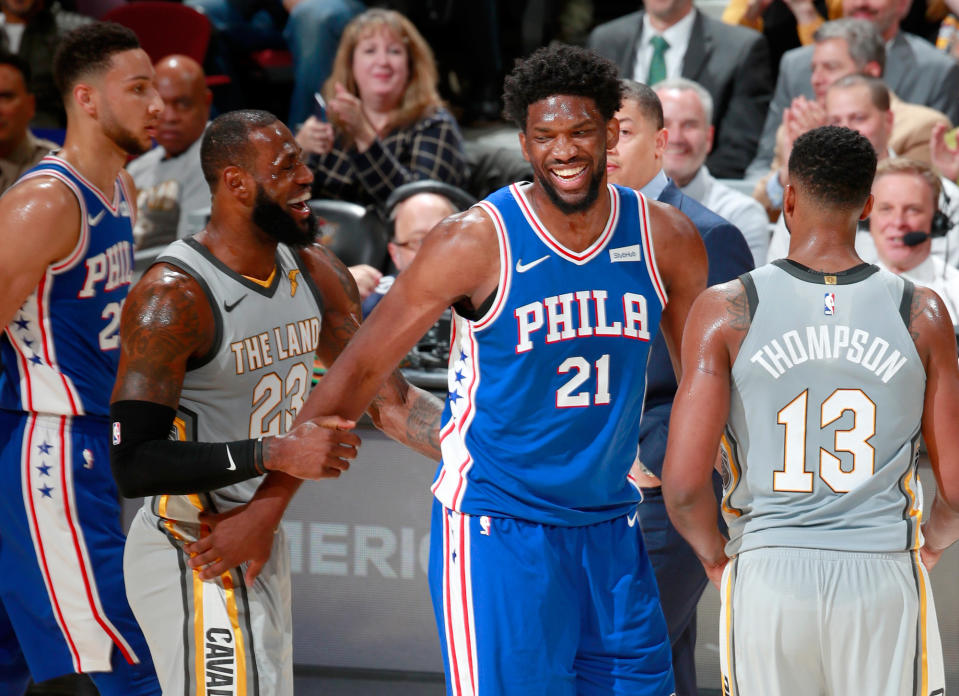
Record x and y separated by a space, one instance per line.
911 239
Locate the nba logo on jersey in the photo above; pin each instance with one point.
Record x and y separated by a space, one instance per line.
829 304
484 523
116 432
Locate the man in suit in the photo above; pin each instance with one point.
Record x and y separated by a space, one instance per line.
915 71
844 47
731 62
637 162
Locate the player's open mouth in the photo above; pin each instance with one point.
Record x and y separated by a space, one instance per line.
568 175
300 205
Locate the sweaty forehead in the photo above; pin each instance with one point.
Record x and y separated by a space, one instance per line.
562 107
273 143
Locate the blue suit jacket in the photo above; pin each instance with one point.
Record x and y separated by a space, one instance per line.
729 257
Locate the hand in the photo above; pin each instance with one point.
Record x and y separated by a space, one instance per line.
806 114
714 571
929 557
349 110
237 536
945 158
317 449
366 277
315 136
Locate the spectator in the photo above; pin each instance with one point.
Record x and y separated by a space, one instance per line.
687 109
732 63
172 197
862 104
915 71
901 224
844 47
637 162
32 31
786 25
387 124
19 149
309 28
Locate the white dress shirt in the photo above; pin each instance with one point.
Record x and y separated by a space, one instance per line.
932 273
745 212
677 36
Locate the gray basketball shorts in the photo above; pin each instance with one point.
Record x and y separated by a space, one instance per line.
808 622
214 638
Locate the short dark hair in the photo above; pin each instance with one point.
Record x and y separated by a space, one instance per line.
878 92
226 141
89 49
834 165
17 63
646 99
561 69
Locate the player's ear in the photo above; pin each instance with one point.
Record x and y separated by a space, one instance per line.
867 208
612 133
238 183
84 97
522 145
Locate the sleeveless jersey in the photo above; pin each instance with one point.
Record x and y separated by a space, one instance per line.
546 388
257 374
60 351
827 394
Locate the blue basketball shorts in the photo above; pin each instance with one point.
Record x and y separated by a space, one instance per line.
63 605
525 608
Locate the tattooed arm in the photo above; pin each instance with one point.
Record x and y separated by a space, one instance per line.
717 325
404 412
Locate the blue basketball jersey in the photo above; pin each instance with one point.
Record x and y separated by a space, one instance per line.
60 351
546 388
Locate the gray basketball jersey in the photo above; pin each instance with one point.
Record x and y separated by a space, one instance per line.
257 374
826 402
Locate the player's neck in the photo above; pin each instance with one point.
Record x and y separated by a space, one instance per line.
98 159
239 244
823 252
575 231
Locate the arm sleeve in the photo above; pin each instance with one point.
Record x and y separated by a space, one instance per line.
145 461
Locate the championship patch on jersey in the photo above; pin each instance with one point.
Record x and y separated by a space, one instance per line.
626 253
829 304
116 432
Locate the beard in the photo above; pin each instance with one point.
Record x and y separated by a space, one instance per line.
277 223
124 138
566 207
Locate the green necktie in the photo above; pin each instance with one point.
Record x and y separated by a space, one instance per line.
657 66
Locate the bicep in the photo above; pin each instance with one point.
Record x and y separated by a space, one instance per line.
941 403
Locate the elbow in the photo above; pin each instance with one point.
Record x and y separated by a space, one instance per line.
128 485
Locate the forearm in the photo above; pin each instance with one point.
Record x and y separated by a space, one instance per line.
414 421
941 529
694 512
274 495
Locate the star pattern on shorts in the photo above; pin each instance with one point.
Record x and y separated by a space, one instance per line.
45 448
36 359
22 324
44 469
47 491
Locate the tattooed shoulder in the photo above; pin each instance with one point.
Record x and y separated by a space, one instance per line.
737 306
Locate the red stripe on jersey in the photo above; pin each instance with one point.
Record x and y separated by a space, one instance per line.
650 256
45 341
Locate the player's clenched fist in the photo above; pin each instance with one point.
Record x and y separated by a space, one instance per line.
317 449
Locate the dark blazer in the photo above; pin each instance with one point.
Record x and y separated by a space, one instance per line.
916 72
729 257
731 62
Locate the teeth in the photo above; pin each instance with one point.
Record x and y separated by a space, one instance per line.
300 199
568 173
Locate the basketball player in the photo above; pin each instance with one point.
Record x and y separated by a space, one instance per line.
66 235
816 372
539 578
217 343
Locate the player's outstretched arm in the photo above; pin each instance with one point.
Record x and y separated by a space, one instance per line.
932 331
716 326
681 260
166 321
39 225
404 412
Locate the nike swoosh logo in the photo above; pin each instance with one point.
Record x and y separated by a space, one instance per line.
94 220
630 519
230 307
229 455
523 267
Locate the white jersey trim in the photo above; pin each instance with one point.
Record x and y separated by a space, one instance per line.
505 267
651 266
83 240
578 257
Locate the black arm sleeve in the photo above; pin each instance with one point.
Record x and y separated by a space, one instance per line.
146 462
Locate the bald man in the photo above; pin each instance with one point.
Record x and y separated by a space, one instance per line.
173 199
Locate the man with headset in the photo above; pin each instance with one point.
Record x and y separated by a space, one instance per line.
905 215
413 210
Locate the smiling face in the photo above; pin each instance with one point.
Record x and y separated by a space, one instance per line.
690 136
852 107
283 187
638 156
903 203
565 143
381 67
128 104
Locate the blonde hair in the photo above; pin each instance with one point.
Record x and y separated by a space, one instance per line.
420 97
904 165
